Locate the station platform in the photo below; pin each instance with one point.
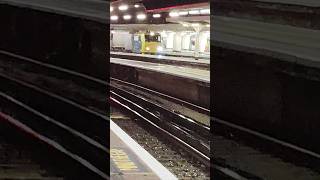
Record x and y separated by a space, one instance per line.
187 54
269 39
164 59
95 10
130 161
186 83
184 72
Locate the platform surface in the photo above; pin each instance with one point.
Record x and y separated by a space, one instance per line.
87 9
160 57
184 72
130 161
288 43
310 3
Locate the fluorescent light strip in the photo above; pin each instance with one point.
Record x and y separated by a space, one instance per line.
141 16
174 14
156 15
205 11
123 7
183 13
194 12
126 17
114 18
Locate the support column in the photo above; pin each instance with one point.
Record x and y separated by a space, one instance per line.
197 43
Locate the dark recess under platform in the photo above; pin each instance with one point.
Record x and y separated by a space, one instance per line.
186 89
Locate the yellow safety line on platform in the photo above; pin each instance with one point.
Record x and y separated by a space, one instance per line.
122 160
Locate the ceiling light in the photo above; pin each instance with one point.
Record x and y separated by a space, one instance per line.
173 14
205 11
123 7
141 16
195 24
193 12
136 5
111 8
126 17
156 15
207 25
114 18
183 13
112 32
185 25
151 33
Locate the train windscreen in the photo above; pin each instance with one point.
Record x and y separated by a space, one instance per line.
154 38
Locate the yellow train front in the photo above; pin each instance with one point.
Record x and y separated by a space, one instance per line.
147 43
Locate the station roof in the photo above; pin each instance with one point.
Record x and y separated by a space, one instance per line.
158 11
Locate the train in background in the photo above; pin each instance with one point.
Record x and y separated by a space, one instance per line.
157 43
141 42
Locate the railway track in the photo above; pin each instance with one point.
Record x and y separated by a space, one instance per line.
24 162
73 138
230 140
75 131
40 75
180 123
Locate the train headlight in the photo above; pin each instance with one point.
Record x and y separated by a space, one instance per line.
147 48
159 48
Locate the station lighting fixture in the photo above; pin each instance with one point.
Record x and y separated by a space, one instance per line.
126 17
112 32
183 13
111 8
123 7
195 24
136 5
147 48
194 12
141 16
207 25
156 15
114 18
173 14
205 11
151 33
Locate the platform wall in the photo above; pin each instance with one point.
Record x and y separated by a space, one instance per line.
183 88
269 95
62 40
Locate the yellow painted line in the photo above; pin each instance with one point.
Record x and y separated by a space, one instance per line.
136 173
155 166
122 160
119 117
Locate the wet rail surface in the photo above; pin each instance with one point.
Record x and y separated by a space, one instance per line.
171 113
69 127
22 161
44 78
157 108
